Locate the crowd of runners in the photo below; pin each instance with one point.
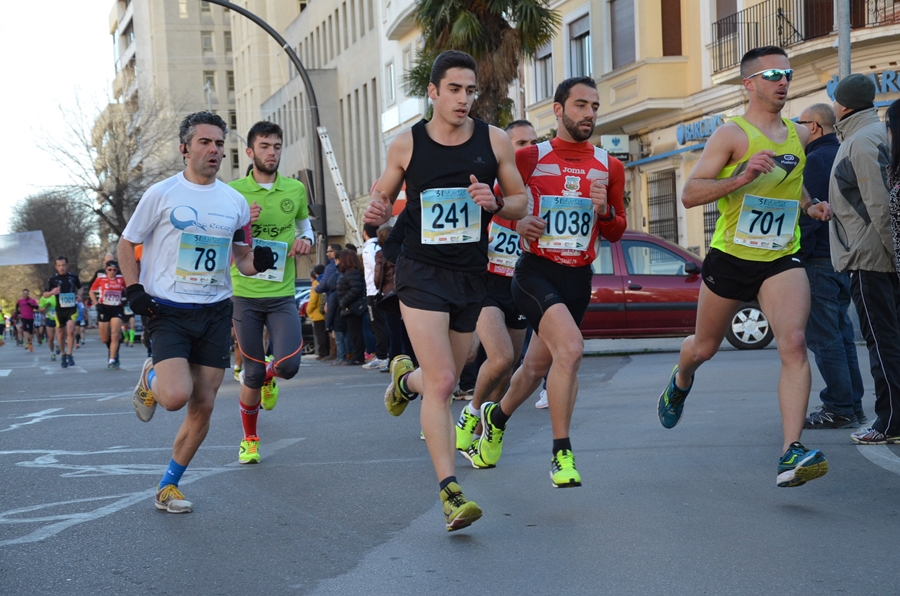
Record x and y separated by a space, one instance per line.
493 251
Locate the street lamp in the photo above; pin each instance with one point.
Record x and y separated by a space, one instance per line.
313 115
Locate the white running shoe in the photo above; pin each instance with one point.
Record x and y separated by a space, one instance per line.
542 402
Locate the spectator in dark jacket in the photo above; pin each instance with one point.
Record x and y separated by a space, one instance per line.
331 256
829 332
351 291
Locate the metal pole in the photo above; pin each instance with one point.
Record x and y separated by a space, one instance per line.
313 116
843 8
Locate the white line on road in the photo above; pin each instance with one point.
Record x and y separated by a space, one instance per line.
5 372
67 520
101 396
42 416
881 456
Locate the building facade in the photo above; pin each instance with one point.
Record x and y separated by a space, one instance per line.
180 52
668 79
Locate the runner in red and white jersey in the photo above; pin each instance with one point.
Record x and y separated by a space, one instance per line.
501 327
575 192
106 292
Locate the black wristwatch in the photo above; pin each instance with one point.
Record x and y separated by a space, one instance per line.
611 215
500 204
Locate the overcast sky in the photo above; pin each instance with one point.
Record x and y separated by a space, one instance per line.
52 52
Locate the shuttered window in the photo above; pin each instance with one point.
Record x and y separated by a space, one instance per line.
622 32
663 208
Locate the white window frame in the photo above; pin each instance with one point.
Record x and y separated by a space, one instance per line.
543 56
390 83
576 15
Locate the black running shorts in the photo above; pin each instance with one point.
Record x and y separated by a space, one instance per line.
540 283
107 313
499 295
200 335
740 279
428 287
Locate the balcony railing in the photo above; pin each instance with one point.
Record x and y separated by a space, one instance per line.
786 23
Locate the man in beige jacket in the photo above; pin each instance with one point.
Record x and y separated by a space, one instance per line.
861 243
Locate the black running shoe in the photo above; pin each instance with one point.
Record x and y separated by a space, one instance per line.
824 418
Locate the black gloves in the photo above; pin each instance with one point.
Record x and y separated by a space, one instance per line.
263 258
141 302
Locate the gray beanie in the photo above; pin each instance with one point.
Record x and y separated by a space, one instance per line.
855 92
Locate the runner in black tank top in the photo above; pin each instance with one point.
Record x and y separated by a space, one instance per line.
449 165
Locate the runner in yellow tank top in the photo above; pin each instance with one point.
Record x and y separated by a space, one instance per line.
753 167
759 221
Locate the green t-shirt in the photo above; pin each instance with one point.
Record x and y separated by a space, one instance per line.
281 205
50 304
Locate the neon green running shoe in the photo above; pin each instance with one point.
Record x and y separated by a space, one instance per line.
474 458
395 398
562 470
249 453
458 512
490 445
269 394
465 429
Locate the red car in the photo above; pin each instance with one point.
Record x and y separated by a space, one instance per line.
645 286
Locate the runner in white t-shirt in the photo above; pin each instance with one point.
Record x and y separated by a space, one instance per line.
191 225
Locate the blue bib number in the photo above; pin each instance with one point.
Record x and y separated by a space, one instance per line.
569 222
766 223
202 259
276 273
449 216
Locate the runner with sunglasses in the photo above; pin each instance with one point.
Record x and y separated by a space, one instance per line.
753 167
107 292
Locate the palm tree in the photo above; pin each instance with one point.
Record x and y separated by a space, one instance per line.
497 33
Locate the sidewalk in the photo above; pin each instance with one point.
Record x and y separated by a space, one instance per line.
605 347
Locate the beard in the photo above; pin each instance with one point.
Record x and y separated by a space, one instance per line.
260 166
573 130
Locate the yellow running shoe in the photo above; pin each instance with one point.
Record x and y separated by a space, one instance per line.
249 453
170 499
395 398
465 429
142 397
458 512
562 470
268 394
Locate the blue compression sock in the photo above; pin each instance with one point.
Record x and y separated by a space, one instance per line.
173 474
151 376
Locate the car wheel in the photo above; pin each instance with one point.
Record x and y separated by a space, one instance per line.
749 329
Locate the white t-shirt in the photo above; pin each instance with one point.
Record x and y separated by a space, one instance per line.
370 247
187 231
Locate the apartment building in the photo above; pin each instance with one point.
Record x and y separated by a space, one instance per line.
181 52
669 78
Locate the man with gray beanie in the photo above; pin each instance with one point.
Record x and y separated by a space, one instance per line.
861 243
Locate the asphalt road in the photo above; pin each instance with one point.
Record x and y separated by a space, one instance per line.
345 500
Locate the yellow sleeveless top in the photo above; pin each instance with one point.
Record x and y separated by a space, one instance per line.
760 221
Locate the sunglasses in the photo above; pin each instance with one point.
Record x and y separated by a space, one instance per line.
774 74
808 122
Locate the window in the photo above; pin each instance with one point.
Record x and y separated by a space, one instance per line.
301 4
182 9
710 216
603 264
128 34
407 59
229 80
235 159
232 119
622 32
645 258
663 209
543 73
206 41
580 62
390 94
209 80
205 6
671 30
229 44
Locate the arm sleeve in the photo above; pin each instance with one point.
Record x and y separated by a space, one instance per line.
615 195
304 229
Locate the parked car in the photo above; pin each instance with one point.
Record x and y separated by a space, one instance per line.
645 286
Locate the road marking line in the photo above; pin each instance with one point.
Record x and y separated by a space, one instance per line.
66 520
881 456
42 416
5 372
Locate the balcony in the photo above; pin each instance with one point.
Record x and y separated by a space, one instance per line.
786 23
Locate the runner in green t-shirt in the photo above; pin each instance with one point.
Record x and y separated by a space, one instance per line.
47 305
267 299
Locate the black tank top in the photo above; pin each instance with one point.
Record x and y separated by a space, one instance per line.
433 165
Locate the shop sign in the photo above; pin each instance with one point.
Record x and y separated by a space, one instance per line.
886 81
616 145
699 130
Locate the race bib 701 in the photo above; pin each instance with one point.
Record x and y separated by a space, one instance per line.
766 223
